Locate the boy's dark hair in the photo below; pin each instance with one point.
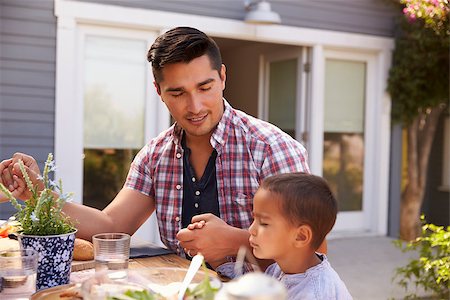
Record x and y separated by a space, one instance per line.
182 44
305 199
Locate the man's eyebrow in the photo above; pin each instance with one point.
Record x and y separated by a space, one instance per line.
205 82
174 89
180 89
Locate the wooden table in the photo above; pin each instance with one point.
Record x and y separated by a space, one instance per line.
168 260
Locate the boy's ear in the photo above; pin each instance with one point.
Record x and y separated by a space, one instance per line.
303 236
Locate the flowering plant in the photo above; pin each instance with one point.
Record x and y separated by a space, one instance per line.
42 213
433 12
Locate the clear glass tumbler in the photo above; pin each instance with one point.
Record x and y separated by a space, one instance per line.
111 251
18 269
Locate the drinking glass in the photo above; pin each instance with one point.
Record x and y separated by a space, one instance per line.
111 251
18 269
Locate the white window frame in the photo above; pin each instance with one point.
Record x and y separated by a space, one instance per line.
71 14
69 147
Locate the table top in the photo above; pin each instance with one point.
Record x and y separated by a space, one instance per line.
168 260
86 270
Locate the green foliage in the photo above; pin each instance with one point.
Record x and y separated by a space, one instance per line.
433 12
42 214
419 76
136 295
431 270
105 171
204 290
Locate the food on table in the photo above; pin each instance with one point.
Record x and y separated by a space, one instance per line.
8 227
203 290
9 244
71 295
83 250
136 295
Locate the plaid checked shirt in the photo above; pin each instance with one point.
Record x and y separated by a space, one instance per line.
248 150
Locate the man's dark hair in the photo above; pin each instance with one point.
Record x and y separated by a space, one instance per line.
305 199
182 44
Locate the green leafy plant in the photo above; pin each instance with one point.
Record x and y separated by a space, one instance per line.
431 270
418 85
42 213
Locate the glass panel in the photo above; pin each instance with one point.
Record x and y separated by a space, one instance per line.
343 156
104 174
114 99
114 105
282 94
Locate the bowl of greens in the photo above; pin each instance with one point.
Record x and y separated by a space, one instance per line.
149 284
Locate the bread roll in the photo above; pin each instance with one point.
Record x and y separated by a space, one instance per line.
9 244
83 250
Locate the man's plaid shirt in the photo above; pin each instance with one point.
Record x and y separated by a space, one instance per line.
248 150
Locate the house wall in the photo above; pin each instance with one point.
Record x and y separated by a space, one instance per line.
395 175
358 16
436 205
27 80
28 55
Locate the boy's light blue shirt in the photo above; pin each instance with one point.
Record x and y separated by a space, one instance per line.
319 282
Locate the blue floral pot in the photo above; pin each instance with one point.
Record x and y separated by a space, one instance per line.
55 257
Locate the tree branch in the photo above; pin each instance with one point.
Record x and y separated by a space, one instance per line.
427 142
412 152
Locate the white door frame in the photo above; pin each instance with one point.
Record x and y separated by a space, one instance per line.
71 14
361 220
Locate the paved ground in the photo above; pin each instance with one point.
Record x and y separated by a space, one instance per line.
367 266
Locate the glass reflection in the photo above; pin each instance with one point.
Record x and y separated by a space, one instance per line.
343 166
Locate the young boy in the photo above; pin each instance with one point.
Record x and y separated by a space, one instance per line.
293 213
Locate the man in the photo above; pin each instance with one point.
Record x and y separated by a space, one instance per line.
205 167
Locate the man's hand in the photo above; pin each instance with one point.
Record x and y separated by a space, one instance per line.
212 237
12 178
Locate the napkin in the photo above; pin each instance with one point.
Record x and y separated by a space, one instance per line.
145 249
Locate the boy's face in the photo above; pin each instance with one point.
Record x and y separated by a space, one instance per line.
271 236
193 94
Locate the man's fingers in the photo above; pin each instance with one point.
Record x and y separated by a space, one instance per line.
185 235
31 174
196 225
4 164
202 217
21 186
28 161
7 178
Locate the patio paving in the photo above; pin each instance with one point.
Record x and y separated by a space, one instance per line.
367 266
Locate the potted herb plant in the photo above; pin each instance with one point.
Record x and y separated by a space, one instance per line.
45 228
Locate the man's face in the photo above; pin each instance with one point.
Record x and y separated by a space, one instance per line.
193 94
271 236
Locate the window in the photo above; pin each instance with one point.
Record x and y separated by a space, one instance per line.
114 87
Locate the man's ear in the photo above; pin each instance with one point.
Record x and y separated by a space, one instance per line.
223 75
303 236
157 87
